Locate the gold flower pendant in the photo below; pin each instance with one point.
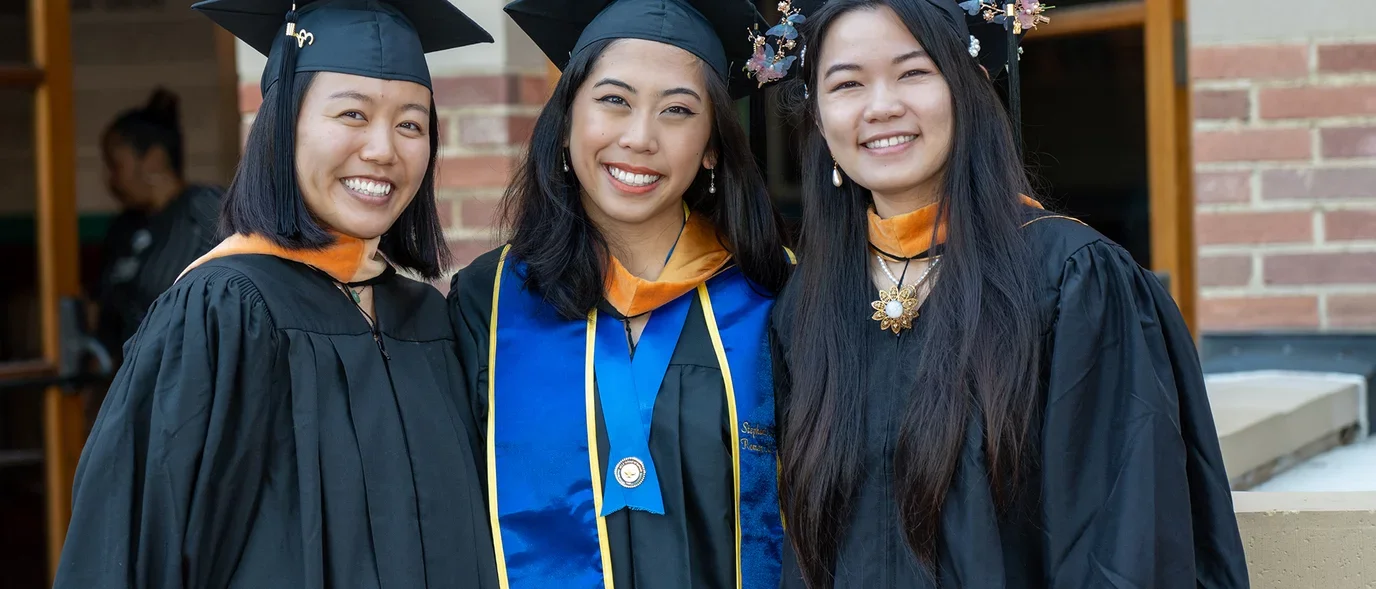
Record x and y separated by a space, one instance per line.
896 308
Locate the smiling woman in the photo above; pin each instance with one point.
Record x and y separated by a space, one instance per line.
287 414
618 340
973 391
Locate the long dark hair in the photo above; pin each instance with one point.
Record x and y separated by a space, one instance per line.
978 355
155 124
566 256
415 241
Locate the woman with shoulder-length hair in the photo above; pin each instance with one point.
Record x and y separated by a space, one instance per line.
974 392
290 412
616 348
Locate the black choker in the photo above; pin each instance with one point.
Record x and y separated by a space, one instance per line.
923 255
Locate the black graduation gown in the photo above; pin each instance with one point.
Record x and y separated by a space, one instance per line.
693 544
257 438
145 253
1131 490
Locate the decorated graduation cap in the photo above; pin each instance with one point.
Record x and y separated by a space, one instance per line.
717 31
384 39
995 29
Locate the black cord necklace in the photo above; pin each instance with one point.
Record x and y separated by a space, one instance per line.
356 288
922 255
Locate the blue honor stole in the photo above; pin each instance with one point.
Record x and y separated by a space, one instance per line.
549 494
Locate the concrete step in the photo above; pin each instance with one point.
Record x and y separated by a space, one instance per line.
1300 540
1269 421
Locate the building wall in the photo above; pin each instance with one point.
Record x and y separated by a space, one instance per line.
1285 152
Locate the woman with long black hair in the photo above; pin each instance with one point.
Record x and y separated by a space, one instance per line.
973 391
290 413
616 348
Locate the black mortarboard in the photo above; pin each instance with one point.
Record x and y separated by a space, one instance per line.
385 39
994 38
717 31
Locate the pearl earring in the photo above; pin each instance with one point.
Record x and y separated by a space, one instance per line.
566 161
835 174
712 185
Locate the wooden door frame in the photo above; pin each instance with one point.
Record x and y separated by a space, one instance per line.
64 429
1170 123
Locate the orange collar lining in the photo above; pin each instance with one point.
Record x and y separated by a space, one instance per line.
910 234
698 256
341 260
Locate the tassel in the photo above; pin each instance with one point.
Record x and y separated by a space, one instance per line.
284 138
1014 93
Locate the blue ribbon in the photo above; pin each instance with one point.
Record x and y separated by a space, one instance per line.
628 387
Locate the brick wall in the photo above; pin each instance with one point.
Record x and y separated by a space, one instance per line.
485 122
1285 151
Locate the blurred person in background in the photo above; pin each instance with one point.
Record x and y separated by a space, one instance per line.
166 222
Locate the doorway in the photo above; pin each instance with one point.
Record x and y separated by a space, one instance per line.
1107 127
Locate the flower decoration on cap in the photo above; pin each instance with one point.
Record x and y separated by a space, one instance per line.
767 64
1027 13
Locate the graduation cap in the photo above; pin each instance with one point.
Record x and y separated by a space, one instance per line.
995 29
717 31
384 39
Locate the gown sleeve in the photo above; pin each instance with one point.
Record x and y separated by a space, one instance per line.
167 482
470 313
1134 490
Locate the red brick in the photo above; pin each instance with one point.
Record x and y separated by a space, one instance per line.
1251 228
250 98
1345 58
1323 183
535 90
1252 145
519 128
1224 270
1348 142
478 213
1307 102
486 129
1222 104
1258 313
1349 225
1256 61
1222 187
474 172
1334 268
1352 311
472 90
445 208
466 250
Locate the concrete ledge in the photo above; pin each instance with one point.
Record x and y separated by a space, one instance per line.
1269 421
1301 540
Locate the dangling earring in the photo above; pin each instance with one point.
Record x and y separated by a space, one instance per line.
566 161
835 174
712 185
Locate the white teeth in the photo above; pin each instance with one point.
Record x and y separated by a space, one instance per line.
369 187
890 141
633 179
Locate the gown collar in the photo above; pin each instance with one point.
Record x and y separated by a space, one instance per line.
910 234
698 256
341 259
